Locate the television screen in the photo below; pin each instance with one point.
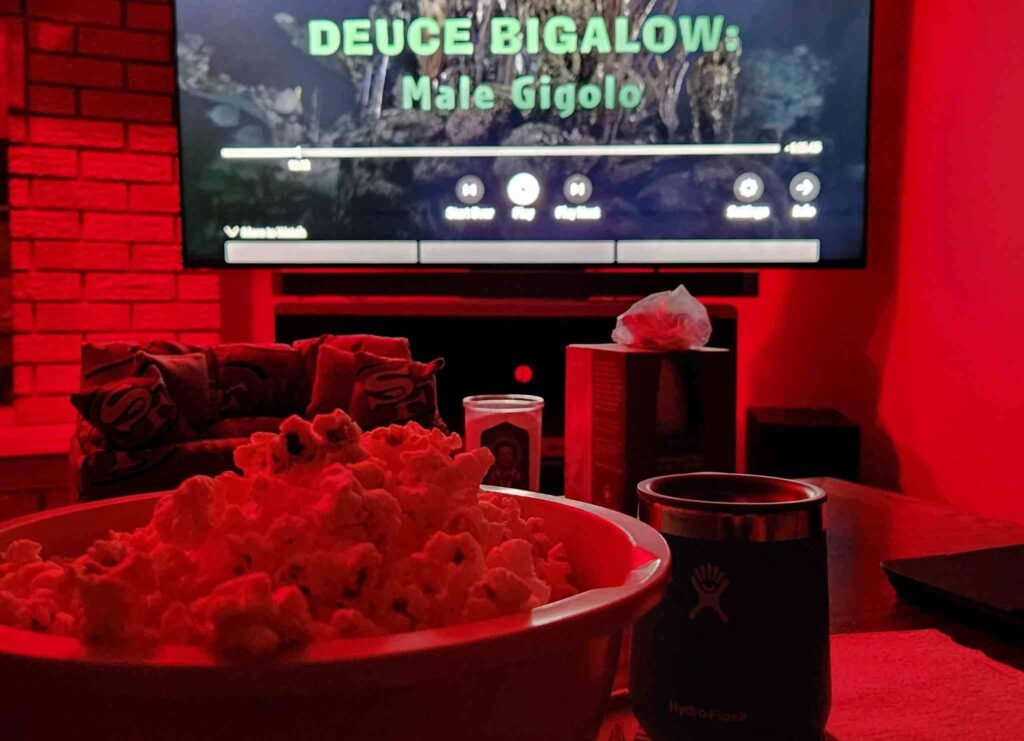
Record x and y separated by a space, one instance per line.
497 132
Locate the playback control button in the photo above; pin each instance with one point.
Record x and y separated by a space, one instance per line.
523 189
469 190
748 188
577 189
805 187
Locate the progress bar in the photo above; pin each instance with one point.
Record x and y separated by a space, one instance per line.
555 150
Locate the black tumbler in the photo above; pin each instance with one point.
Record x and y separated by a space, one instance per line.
739 648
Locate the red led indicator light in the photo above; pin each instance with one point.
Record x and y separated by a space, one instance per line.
523 374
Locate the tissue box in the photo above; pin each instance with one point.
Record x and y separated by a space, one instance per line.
631 414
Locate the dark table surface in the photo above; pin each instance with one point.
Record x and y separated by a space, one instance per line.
867 526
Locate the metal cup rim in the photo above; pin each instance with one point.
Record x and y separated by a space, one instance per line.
810 495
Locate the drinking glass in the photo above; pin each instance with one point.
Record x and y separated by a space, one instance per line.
510 425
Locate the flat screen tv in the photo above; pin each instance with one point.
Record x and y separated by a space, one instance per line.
513 132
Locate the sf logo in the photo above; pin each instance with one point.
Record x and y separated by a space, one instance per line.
710 582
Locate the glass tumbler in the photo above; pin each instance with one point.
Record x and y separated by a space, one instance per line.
510 425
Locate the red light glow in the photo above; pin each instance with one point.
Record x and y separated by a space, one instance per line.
523 374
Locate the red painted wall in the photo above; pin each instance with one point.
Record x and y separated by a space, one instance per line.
924 349
953 396
94 194
822 338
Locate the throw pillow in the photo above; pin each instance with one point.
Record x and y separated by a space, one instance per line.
257 380
133 412
387 347
112 361
334 381
108 361
393 391
188 382
170 347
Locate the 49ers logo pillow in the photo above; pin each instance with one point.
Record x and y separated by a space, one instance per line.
132 413
394 391
374 390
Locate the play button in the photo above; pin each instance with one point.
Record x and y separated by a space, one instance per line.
523 189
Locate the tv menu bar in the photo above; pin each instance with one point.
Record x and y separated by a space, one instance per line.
512 252
316 252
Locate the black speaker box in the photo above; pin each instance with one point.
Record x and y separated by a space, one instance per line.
800 443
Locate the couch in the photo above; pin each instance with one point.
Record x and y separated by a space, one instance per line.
151 415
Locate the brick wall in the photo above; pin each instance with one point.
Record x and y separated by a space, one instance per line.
95 226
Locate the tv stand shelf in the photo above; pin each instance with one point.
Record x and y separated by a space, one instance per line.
447 306
442 306
541 284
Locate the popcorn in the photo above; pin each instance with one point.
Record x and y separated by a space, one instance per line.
176 624
371 474
328 533
9 608
21 552
183 516
254 457
339 577
516 555
474 520
499 592
353 624
39 611
381 516
293 623
462 558
20 581
63 624
340 436
106 610
241 615
297 444
389 444
108 552
556 571
288 535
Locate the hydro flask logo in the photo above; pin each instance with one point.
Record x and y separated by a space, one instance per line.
710 582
